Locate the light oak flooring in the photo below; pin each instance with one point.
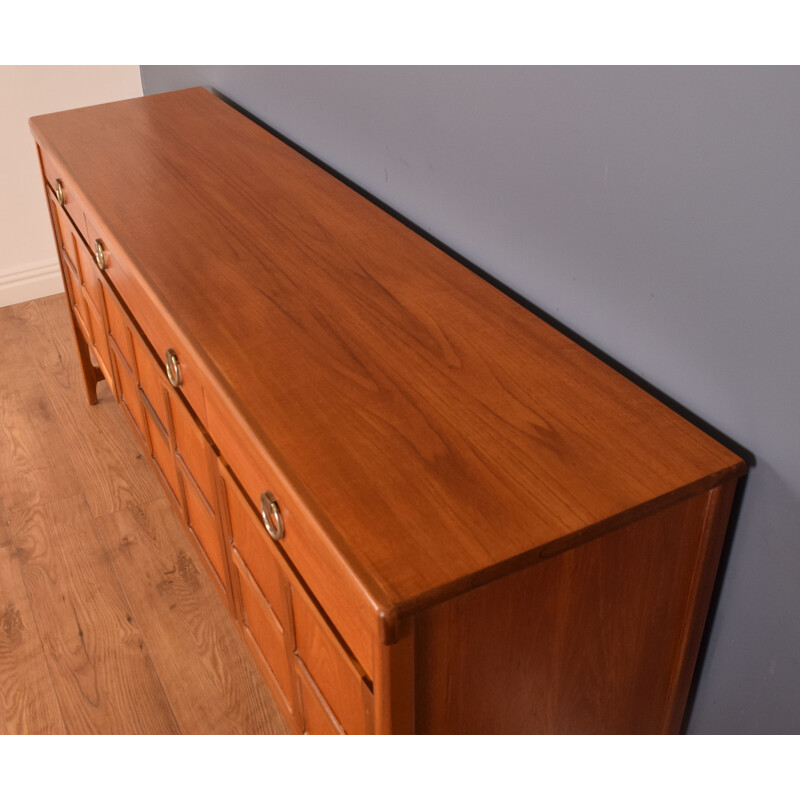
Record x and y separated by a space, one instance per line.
108 622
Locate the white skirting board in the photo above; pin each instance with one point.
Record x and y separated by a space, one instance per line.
30 281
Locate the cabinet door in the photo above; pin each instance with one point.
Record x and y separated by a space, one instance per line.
161 453
197 465
185 460
83 289
153 389
191 447
99 342
89 273
318 717
63 232
259 585
128 395
65 245
152 383
333 681
118 328
120 348
202 522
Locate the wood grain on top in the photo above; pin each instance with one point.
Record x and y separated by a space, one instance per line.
438 431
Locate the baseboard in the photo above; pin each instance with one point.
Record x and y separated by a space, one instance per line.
30 281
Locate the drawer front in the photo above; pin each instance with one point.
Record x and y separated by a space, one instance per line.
340 682
160 333
54 175
345 601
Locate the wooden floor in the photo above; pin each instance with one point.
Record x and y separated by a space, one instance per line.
108 623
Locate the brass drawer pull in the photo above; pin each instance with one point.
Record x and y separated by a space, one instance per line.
173 367
60 192
271 514
99 254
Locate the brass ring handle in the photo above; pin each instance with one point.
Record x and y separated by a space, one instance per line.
60 192
99 254
271 514
173 367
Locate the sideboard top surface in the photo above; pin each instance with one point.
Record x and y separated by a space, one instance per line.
440 432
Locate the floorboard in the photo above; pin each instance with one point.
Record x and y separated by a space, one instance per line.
110 468
108 623
212 684
96 654
5 530
33 449
28 701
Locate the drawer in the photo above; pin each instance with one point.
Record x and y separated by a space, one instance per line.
55 177
340 682
264 631
255 549
159 332
330 580
318 717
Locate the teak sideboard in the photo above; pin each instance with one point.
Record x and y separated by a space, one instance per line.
427 510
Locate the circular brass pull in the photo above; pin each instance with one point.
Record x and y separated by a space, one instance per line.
99 254
173 367
271 514
60 192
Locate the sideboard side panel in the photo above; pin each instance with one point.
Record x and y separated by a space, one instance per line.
589 641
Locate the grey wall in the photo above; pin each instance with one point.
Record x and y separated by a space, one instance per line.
654 211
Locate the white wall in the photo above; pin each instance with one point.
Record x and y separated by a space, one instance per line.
28 266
